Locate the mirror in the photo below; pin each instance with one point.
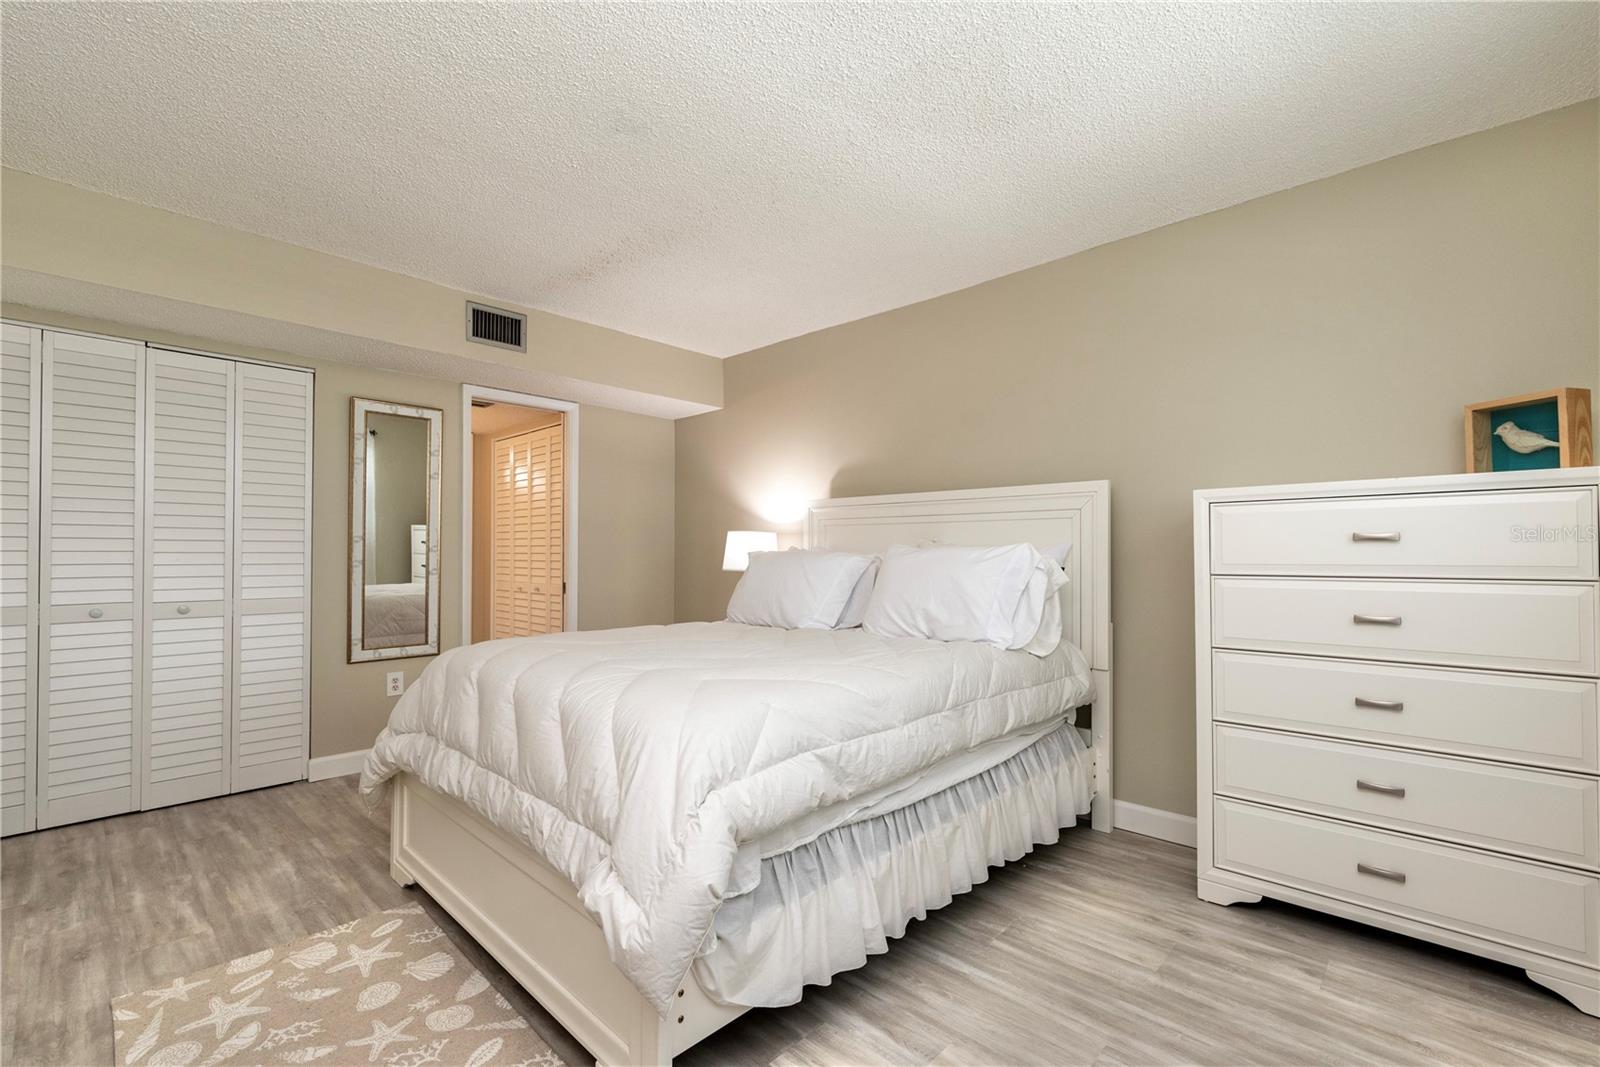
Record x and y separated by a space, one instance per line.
394 530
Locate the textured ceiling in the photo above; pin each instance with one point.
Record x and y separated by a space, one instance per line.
724 176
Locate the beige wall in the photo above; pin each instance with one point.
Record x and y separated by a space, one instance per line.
1330 331
72 250
505 421
625 508
624 513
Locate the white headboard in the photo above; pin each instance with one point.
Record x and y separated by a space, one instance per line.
1042 515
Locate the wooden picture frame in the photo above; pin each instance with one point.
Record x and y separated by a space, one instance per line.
1573 431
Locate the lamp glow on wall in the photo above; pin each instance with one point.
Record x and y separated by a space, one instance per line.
736 553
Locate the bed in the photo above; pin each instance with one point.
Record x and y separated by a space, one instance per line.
639 965
395 614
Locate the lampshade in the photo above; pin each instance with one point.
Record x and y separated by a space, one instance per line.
736 556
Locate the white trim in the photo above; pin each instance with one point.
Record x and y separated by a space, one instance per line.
569 562
1154 822
337 766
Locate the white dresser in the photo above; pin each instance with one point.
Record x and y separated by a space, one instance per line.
1396 695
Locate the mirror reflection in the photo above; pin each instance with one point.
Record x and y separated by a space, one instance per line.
395 582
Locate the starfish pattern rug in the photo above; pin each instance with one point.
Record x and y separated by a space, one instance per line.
386 989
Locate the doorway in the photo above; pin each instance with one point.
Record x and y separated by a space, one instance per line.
518 515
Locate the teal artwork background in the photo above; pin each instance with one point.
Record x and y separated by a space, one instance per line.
1542 418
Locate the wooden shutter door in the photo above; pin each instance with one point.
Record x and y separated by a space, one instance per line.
91 707
546 573
273 566
187 538
528 533
21 367
503 577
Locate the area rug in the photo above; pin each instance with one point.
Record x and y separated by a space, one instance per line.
389 988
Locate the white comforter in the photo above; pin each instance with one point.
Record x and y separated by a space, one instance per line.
396 614
638 761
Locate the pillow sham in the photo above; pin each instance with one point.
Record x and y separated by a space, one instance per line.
796 590
996 595
855 609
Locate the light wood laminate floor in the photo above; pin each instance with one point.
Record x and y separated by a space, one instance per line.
1094 951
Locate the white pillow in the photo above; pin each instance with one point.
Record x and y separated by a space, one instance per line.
855 609
797 589
995 595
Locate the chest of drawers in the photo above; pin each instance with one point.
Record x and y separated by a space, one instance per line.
1398 709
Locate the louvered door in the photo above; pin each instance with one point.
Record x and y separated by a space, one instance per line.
273 568
188 539
21 368
90 703
529 522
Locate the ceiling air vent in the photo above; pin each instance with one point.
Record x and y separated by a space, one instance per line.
492 326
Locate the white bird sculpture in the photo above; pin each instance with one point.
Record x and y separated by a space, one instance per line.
1524 441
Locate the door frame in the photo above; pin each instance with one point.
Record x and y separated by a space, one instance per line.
569 554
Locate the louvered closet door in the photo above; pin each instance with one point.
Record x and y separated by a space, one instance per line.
273 565
548 569
528 528
509 493
21 367
91 505
189 446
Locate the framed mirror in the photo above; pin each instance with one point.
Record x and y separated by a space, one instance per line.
394 530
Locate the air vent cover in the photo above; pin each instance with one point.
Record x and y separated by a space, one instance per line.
492 326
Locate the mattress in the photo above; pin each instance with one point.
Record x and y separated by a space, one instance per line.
826 905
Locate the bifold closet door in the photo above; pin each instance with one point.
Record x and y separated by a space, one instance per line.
188 539
21 369
273 567
529 522
91 670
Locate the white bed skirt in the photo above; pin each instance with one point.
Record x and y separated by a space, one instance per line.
826 906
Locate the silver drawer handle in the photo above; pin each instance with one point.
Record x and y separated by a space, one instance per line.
183 609
95 613
1381 872
1393 535
1374 787
1376 620
1381 705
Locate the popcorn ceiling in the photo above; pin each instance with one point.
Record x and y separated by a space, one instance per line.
724 176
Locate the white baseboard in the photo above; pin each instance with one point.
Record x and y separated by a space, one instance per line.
336 766
1153 822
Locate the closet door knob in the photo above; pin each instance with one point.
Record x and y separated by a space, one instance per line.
183 609
95 613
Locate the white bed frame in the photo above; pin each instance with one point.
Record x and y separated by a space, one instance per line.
528 917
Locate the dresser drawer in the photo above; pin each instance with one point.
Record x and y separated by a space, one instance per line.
1531 626
1532 813
1514 902
1551 722
1528 533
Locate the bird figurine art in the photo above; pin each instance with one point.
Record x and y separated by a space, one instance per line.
1523 441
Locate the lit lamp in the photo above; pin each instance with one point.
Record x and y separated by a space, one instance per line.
736 555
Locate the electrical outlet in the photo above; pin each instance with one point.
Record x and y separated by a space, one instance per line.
395 683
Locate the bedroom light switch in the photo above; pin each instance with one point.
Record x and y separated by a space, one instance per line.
396 683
